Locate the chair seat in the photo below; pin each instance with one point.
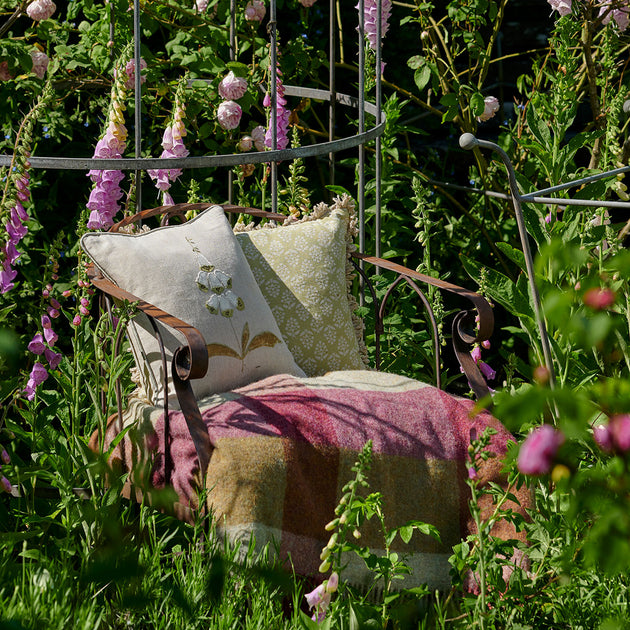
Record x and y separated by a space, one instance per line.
283 449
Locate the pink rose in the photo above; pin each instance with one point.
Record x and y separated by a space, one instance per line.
246 143
491 107
258 136
539 449
232 87
40 10
255 11
40 63
229 114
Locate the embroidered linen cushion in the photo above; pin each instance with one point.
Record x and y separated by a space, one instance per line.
197 272
302 269
284 447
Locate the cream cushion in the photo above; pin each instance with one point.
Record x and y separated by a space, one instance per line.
197 272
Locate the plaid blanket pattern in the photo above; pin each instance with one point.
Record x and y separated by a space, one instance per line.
284 448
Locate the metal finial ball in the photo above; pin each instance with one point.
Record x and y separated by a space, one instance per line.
467 141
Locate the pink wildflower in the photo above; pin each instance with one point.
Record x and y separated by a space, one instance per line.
201 5
5 75
476 354
487 371
76 321
491 107
7 276
229 115
603 437
619 429
599 299
6 484
539 449
563 7
40 10
232 87
307 3
40 63
255 11
4 456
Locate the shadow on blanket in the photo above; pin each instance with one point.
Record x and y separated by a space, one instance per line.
284 448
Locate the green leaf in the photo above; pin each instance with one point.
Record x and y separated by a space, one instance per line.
422 76
477 104
538 127
406 532
415 62
515 255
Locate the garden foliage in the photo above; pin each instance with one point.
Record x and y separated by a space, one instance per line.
66 86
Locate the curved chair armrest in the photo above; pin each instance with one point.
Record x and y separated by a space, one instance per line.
192 367
467 327
190 362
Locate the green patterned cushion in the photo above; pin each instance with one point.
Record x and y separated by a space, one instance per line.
302 269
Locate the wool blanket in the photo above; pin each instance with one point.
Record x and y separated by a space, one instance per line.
284 448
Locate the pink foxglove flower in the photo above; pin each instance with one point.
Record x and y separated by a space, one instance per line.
539 449
201 5
172 147
6 484
40 63
319 598
36 345
307 3
38 375
16 230
491 107
5 75
282 116
619 429
4 456
621 17
563 7
232 87
130 71
53 358
103 201
370 19
40 10
255 11
229 115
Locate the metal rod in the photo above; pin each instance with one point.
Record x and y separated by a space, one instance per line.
468 141
273 36
232 58
379 96
361 189
332 88
137 101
